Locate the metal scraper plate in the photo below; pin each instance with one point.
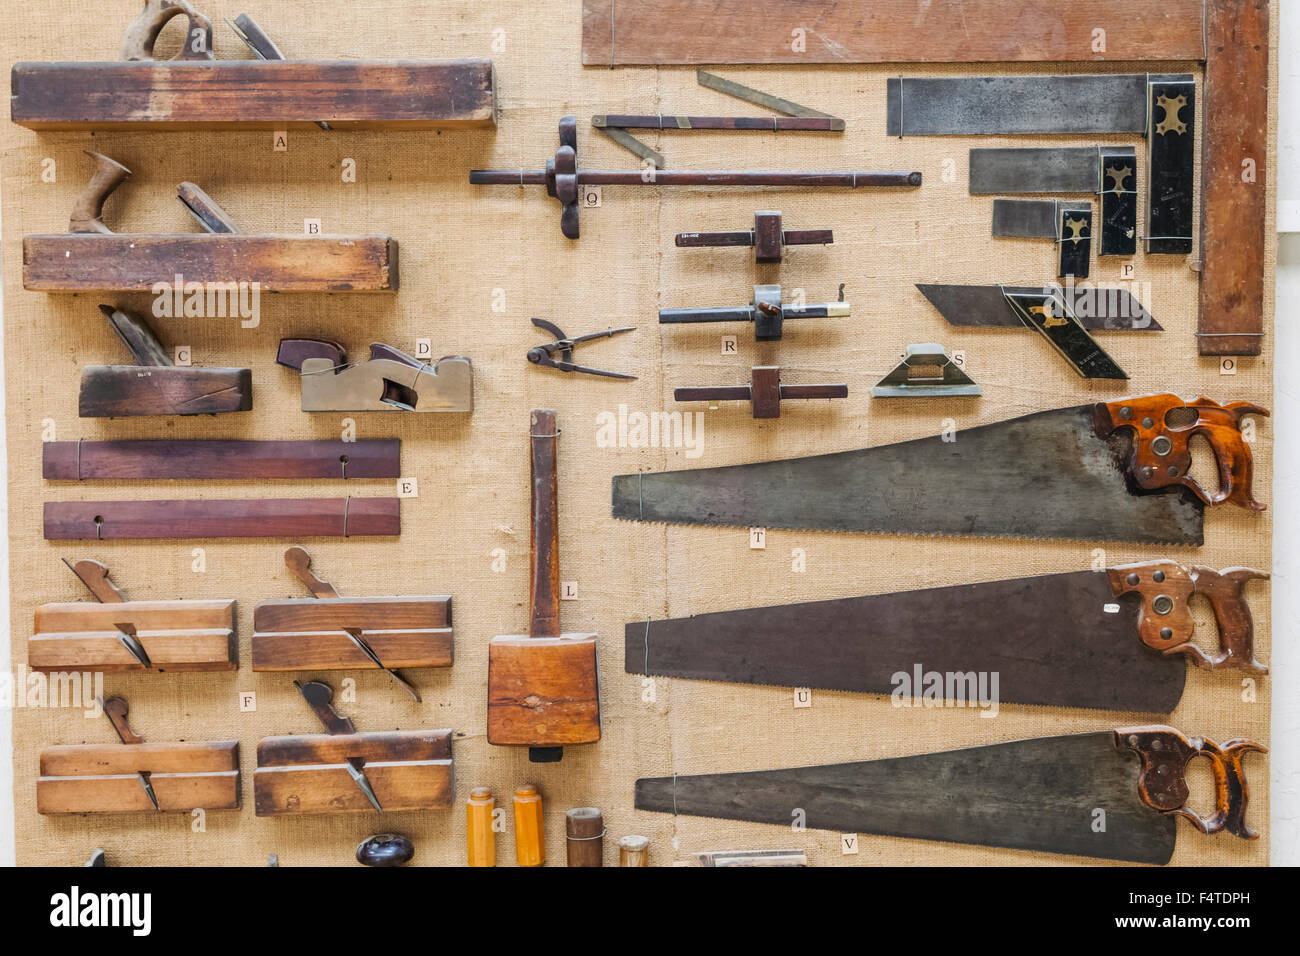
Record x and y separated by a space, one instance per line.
996 105
1041 476
1031 218
1055 640
1039 795
1063 170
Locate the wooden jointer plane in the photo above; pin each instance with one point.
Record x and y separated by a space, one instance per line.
117 635
194 90
91 257
344 771
137 777
328 632
390 380
153 384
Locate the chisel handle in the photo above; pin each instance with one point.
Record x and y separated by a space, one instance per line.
530 828
544 596
1162 783
584 830
634 851
481 839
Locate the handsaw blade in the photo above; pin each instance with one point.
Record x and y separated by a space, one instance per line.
1100 309
354 767
1041 795
1045 475
1054 640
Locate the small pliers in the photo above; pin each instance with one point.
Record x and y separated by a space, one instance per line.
563 345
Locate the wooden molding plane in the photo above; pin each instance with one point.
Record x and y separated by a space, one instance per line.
218 460
117 635
137 777
154 385
765 393
91 257
389 381
543 687
328 632
237 518
344 771
194 90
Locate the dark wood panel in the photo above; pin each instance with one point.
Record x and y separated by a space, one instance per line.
125 391
887 31
223 460
92 262
253 518
253 94
1234 243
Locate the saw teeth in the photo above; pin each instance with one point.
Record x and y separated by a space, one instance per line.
948 535
1173 109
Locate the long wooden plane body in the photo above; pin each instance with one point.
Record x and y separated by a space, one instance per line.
308 634
238 518
409 770
91 262
176 636
255 94
106 778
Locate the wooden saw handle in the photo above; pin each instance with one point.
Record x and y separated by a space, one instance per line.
1165 622
142 34
1162 785
88 210
1161 454
544 594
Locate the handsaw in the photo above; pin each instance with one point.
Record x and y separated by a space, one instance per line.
1110 471
1113 639
1041 794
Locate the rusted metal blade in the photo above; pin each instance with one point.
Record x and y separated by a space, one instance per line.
1055 640
1042 795
1045 475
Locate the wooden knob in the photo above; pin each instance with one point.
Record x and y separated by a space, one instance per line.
530 834
480 839
634 851
584 828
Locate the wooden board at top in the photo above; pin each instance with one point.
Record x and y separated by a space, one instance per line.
255 94
625 32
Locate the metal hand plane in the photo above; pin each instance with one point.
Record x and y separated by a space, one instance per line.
390 380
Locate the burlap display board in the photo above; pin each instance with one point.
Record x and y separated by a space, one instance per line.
477 263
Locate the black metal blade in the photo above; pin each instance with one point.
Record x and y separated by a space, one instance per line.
1056 640
1103 309
1042 795
1041 476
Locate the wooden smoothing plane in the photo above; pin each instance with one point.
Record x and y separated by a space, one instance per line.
344 771
136 777
327 632
117 635
194 90
389 381
154 385
91 257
